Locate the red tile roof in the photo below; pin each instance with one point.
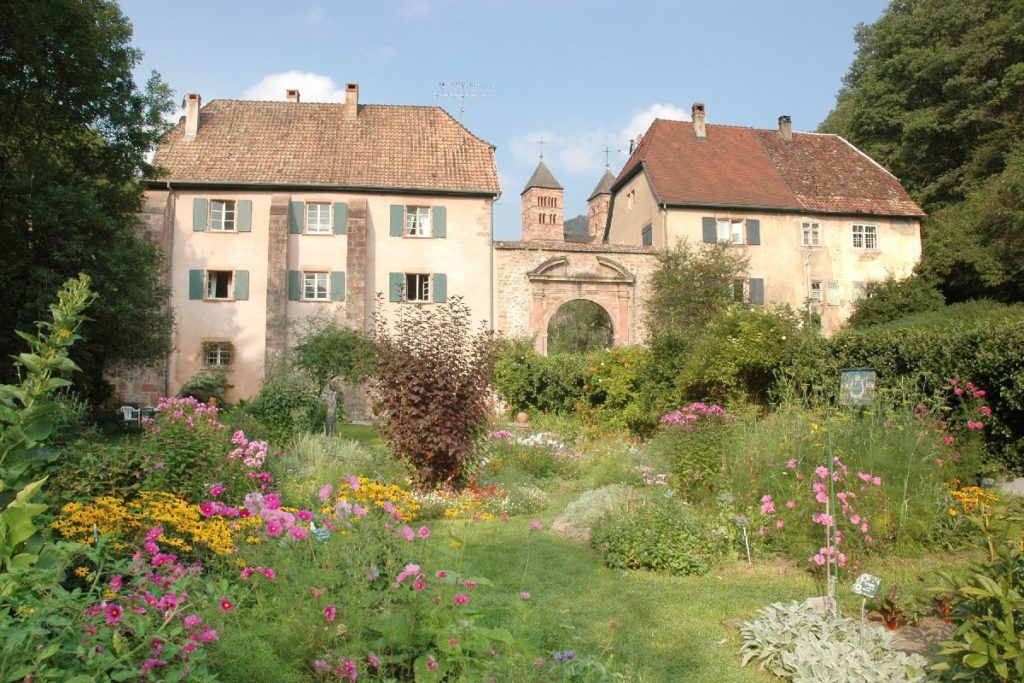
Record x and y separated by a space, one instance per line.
292 143
746 167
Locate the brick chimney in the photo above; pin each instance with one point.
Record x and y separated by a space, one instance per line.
291 95
192 103
786 127
699 127
351 101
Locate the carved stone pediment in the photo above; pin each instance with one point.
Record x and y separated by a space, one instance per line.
559 269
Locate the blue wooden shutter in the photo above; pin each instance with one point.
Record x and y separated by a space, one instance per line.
199 215
757 290
340 218
438 226
753 231
397 220
710 230
396 282
195 284
241 285
244 215
338 285
294 285
439 287
296 217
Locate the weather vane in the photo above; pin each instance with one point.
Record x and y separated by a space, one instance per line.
462 94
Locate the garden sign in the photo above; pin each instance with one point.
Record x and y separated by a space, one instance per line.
857 386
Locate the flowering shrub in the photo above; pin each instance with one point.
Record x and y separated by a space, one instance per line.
696 440
365 491
186 527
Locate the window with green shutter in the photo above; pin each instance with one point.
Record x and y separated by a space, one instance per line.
338 285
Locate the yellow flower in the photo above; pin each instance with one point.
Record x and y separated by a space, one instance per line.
82 571
455 544
953 512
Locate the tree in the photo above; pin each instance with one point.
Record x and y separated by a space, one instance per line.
74 132
328 351
431 387
579 326
892 299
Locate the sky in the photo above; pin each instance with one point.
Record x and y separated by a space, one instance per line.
581 75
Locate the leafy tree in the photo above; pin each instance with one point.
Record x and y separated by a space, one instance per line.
691 285
579 326
431 387
328 351
936 94
74 131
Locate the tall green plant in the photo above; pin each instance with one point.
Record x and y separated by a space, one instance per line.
26 419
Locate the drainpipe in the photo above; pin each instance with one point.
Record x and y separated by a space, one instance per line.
493 315
172 208
664 226
807 283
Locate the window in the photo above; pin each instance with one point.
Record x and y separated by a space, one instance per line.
736 290
631 199
865 237
217 354
318 219
817 295
222 215
543 218
315 287
730 230
547 202
860 291
417 221
417 287
647 236
218 284
811 235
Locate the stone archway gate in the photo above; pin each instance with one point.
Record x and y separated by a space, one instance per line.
534 279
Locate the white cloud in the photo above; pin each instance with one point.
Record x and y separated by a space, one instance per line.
581 150
312 87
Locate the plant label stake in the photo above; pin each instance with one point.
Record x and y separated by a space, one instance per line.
742 523
866 586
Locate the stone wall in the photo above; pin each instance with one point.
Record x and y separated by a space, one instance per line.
533 279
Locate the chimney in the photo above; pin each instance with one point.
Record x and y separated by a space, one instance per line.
699 128
291 95
192 102
786 127
351 101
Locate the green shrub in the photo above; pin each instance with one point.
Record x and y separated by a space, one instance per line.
90 469
893 299
286 405
592 504
541 455
71 420
614 381
519 499
205 385
535 383
660 535
697 441
799 643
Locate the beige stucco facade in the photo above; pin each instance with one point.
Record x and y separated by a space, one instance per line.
786 265
261 324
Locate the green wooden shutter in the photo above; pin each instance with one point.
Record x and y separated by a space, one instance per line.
195 284
710 229
438 221
340 218
439 287
244 215
757 290
753 231
241 285
294 285
397 220
396 282
296 217
338 285
199 212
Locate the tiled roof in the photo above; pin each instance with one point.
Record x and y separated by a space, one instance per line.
746 167
292 143
543 178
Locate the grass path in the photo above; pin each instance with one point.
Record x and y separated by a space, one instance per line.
665 628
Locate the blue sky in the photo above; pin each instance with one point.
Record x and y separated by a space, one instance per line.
581 74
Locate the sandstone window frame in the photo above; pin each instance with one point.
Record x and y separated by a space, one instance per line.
316 285
319 219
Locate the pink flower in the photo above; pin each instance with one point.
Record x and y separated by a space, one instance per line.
525 595
274 528
298 533
347 669
821 471
226 605
423 532
217 489
112 614
767 505
353 482
877 481
958 391
441 573
791 463
855 519
269 573
152 663
790 504
469 584
115 582
372 659
161 559
948 438
206 508
980 393
304 515
799 476
779 524
536 524
325 492
419 584
272 501
432 663
863 527
321 666
192 620
330 612
151 547
407 533
461 598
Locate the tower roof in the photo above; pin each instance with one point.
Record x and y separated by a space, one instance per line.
604 186
542 178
